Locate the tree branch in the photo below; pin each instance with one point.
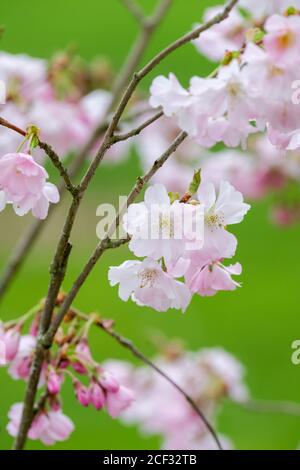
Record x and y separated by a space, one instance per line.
139 129
50 153
46 340
127 344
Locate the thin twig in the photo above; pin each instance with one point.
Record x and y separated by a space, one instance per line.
49 151
139 129
270 406
128 344
135 11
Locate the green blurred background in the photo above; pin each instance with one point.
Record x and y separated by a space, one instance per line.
257 323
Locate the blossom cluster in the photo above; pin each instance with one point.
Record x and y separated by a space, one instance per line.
254 90
208 376
64 97
71 357
194 255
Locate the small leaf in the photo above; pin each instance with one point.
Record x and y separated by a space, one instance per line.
245 13
173 197
194 186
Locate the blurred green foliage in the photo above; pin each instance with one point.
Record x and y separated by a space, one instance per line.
257 323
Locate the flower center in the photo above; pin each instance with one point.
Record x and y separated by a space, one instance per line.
286 40
214 221
148 277
234 89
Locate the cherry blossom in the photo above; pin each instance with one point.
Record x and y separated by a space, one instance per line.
148 284
222 209
207 275
11 341
160 229
48 427
23 181
208 374
227 36
20 366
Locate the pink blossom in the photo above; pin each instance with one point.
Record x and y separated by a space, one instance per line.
222 209
22 74
83 393
161 229
284 216
168 92
97 396
117 402
229 35
108 382
48 427
11 341
84 357
209 375
148 285
20 366
218 109
282 40
206 275
54 381
24 183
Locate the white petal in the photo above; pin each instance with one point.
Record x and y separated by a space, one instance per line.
207 195
51 193
157 194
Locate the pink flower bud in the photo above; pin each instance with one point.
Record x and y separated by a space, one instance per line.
97 396
54 382
108 381
11 340
117 402
82 393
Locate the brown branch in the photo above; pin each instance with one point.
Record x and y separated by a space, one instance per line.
49 152
45 341
139 129
127 344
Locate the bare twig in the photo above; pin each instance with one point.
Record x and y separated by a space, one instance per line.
135 10
270 406
45 340
127 344
139 129
49 151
